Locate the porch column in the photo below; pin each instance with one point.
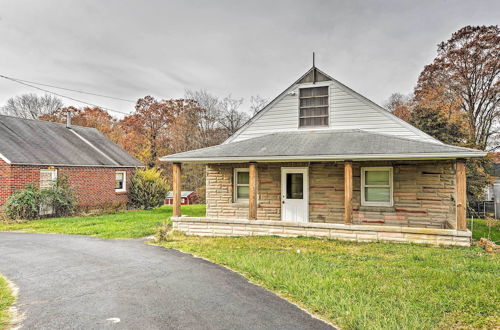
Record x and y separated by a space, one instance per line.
348 192
176 187
461 194
252 198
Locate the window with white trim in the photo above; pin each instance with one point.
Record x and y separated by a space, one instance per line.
241 184
376 186
313 106
47 178
120 181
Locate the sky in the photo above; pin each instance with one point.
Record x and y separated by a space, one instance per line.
129 49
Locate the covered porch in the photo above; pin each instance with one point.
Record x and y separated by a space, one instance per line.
379 188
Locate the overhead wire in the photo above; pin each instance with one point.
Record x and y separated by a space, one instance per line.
31 84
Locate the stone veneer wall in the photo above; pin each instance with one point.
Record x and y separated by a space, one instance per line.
423 193
357 233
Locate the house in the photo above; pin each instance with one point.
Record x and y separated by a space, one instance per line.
187 198
37 152
322 160
491 203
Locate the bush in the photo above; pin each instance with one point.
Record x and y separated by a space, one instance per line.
148 189
31 203
61 198
24 204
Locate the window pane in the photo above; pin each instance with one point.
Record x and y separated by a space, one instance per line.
377 177
294 186
119 181
378 194
242 192
119 176
318 121
314 112
243 177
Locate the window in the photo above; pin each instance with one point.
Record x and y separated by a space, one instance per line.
47 178
241 184
294 186
313 107
120 182
376 186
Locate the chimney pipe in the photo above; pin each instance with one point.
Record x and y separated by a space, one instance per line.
68 119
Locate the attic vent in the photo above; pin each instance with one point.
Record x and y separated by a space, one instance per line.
313 108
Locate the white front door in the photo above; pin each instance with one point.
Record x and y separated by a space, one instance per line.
294 194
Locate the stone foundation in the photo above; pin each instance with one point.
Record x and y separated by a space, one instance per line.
357 233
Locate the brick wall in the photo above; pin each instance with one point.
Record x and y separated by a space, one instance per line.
423 193
93 185
5 182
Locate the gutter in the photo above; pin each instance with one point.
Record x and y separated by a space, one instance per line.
324 157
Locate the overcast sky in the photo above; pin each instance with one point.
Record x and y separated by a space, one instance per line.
129 49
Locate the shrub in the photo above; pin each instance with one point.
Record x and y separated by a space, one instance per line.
148 189
60 198
24 204
31 203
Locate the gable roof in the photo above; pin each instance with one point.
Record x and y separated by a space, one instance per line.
321 77
184 193
36 142
323 145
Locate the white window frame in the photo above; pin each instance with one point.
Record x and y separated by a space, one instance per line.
235 184
53 173
311 85
124 189
363 186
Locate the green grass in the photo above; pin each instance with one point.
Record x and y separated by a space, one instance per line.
6 300
366 285
481 229
131 224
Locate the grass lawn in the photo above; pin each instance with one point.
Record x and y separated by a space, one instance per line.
366 285
481 229
132 224
6 300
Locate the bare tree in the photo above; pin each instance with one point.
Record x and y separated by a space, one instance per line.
257 103
31 105
210 129
231 117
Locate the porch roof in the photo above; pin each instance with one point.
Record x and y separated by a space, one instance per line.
319 145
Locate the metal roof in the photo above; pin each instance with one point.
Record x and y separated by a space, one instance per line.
36 142
330 144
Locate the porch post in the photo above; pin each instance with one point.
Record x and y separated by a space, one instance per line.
252 198
348 192
461 194
176 183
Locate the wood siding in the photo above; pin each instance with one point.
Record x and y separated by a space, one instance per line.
348 110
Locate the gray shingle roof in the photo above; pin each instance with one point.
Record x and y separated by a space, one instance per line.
35 142
323 145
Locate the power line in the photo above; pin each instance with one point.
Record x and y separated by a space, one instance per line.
68 89
64 96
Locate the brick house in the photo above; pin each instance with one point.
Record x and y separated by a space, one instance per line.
323 160
37 152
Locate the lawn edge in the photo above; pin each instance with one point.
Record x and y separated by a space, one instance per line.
15 318
261 285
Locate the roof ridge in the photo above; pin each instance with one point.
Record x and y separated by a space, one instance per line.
42 121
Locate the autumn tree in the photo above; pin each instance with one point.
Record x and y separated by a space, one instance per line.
435 123
464 80
88 117
400 105
31 105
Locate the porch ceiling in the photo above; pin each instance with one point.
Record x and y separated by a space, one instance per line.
323 145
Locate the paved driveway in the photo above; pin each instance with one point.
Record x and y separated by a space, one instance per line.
91 283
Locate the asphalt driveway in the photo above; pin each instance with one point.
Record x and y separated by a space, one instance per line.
82 282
